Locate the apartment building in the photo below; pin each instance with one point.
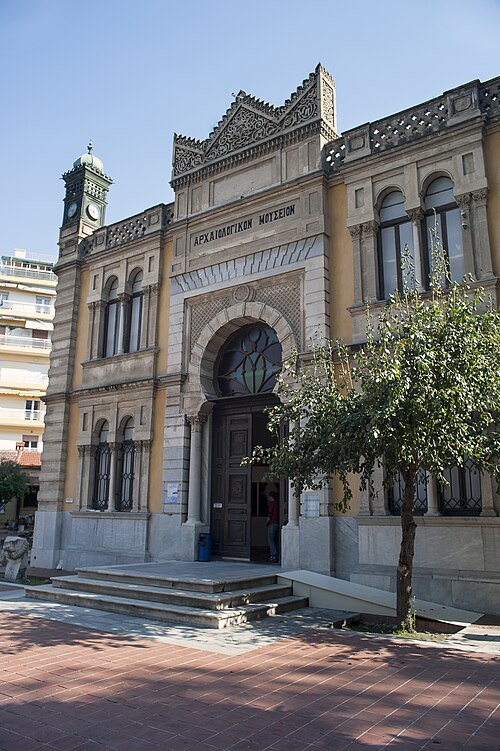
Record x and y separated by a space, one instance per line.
27 294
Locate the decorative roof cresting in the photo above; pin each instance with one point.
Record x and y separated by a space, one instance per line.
250 121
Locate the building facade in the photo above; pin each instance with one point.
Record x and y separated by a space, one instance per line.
27 294
172 324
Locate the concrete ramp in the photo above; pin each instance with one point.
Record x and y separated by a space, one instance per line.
338 594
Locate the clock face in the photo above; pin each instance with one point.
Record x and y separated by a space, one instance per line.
93 212
72 208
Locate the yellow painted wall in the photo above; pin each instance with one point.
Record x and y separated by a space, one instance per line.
341 295
341 274
81 348
70 480
164 311
156 459
492 163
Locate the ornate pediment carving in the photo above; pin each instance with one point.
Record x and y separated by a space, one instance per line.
250 121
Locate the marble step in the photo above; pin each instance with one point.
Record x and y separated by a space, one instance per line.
158 611
174 596
194 584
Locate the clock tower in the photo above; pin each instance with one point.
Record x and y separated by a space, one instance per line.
84 209
86 189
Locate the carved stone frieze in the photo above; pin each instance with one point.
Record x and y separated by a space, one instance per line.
249 121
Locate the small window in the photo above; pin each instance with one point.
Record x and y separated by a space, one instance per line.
443 214
30 442
395 233
43 304
32 409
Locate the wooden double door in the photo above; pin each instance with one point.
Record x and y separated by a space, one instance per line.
238 503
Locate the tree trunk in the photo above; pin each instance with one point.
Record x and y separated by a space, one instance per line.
405 564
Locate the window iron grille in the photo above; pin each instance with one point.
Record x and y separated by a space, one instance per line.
396 492
125 501
100 498
462 495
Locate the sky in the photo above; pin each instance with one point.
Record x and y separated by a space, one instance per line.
128 74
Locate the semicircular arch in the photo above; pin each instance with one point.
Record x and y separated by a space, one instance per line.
200 382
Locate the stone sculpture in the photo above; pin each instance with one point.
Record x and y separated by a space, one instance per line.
15 555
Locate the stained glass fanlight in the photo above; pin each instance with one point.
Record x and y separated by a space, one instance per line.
249 362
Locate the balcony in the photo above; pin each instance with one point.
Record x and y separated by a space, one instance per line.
27 273
25 341
16 416
26 308
37 381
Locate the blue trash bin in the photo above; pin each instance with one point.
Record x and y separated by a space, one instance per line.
205 546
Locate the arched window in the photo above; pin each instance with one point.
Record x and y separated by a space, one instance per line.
112 321
442 212
134 315
249 362
395 232
100 498
125 500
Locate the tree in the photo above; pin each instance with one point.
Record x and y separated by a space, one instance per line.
423 392
13 482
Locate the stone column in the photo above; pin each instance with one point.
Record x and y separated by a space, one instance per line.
88 480
378 499
432 497
464 202
113 447
148 336
419 248
356 258
92 333
293 506
122 312
194 490
97 335
83 471
369 261
144 454
487 498
480 238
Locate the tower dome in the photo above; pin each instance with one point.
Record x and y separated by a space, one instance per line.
89 159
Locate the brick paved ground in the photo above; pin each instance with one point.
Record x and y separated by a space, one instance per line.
65 687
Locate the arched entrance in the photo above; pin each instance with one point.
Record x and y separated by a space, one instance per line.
244 378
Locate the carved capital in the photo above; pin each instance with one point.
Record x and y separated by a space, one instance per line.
355 231
480 196
145 445
153 290
124 297
415 215
370 228
196 422
463 201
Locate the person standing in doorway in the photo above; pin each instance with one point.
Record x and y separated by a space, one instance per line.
273 525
